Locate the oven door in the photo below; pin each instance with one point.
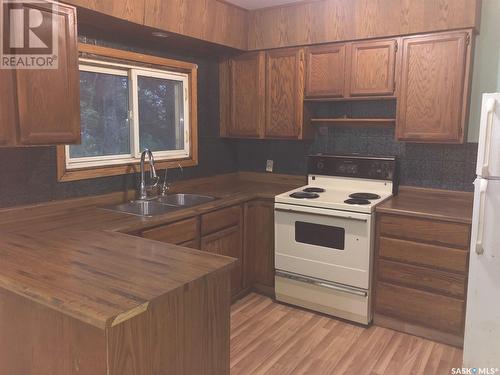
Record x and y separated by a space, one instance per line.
325 244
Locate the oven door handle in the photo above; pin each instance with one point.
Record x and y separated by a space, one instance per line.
289 210
324 284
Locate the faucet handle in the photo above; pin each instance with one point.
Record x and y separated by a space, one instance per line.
166 186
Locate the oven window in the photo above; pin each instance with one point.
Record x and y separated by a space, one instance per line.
320 235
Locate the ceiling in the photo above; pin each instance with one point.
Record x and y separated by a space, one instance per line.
257 4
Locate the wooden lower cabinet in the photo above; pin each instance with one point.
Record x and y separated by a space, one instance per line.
259 245
244 232
227 242
421 273
184 332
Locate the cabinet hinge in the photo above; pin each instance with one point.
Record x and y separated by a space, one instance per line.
397 47
467 39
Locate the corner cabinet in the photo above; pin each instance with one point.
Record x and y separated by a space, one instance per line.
261 95
435 79
42 105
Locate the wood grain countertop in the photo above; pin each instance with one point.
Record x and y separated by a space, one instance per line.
431 204
75 257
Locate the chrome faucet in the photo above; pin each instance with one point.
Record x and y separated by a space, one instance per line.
143 193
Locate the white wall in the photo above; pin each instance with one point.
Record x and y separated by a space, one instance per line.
486 74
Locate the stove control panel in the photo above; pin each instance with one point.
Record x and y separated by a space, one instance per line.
374 168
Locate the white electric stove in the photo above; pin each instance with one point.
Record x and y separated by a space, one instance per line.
324 234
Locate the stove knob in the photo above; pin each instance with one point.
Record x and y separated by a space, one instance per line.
320 165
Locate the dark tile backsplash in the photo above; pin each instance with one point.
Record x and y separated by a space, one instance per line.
426 165
29 175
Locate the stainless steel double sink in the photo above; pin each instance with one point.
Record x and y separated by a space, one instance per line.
161 205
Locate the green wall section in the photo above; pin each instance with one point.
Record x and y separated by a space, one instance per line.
486 74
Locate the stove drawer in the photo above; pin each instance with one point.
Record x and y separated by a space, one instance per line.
430 231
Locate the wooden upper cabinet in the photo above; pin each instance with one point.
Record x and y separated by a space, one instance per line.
49 99
285 93
8 112
246 83
372 68
435 78
130 10
325 72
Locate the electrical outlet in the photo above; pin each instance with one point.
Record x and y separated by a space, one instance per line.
269 166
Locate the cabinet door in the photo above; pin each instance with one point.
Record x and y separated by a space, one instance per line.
49 99
8 107
247 95
284 93
227 242
259 243
434 88
372 68
325 72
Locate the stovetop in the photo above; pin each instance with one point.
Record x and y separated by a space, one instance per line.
339 193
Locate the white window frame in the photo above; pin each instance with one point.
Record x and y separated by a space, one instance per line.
133 72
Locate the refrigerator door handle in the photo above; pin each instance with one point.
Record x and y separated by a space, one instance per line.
480 227
490 108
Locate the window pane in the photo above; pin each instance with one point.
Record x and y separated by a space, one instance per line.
104 106
161 114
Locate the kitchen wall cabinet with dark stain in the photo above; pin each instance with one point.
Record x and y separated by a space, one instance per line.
259 245
222 233
421 276
352 70
43 105
435 80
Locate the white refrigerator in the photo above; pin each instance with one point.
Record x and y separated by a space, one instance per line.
482 321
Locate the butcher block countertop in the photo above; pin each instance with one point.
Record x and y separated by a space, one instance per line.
431 204
77 258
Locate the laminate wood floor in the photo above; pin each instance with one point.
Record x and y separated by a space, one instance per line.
271 338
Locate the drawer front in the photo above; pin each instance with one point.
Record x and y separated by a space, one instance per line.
217 220
422 278
175 233
431 231
423 254
193 244
427 309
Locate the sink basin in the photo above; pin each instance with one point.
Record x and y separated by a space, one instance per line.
144 208
185 200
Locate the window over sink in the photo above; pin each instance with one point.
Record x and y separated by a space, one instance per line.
128 104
